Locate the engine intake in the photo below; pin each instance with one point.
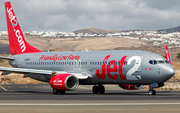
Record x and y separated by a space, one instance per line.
64 82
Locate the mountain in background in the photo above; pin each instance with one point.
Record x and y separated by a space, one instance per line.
95 31
170 30
100 31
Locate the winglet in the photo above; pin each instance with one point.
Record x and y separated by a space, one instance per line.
17 41
168 57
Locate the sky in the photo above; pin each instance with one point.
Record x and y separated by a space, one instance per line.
71 15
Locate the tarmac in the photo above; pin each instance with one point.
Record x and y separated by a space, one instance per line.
40 99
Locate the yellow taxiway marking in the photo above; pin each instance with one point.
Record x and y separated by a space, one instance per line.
3 88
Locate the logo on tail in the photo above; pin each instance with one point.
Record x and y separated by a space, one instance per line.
17 42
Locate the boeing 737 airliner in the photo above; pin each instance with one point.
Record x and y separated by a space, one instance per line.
65 71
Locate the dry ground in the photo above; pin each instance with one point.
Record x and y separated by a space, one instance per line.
71 44
105 43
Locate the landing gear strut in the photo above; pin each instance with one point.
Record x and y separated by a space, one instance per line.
151 91
98 89
59 91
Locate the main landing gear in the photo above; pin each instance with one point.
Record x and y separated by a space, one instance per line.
98 89
151 91
59 91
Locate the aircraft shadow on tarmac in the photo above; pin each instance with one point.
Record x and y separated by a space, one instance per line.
126 93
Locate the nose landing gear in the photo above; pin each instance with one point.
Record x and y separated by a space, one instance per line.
154 85
151 91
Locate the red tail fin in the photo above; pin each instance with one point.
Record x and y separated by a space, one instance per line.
168 57
17 42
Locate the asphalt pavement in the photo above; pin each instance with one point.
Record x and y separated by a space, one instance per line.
40 99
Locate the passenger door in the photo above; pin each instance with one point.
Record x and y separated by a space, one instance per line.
77 64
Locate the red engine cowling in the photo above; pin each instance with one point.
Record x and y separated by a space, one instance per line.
131 87
64 82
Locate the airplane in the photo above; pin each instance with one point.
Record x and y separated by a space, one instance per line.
65 71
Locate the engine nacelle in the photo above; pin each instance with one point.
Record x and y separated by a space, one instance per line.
131 87
64 82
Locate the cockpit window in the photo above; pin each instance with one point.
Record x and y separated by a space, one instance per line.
151 62
160 61
166 62
154 62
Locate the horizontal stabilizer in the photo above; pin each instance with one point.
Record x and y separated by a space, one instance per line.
6 58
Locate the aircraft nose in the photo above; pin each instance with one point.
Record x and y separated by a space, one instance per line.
171 72
168 72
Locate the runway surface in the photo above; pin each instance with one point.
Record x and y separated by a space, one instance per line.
39 98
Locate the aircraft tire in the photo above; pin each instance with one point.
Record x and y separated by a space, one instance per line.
62 91
55 91
95 89
101 89
152 92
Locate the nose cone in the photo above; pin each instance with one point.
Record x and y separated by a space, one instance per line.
170 72
167 72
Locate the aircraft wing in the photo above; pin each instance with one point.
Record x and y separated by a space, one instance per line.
47 73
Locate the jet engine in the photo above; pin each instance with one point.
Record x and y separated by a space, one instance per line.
64 82
131 87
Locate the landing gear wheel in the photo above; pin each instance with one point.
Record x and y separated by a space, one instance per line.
62 91
101 89
98 89
55 91
95 89
152 92
58 91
